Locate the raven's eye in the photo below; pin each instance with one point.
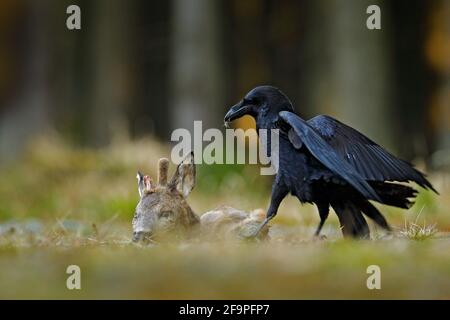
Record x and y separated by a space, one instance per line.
249 101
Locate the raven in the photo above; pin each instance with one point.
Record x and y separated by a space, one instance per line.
328 163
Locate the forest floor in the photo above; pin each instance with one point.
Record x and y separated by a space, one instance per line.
62 206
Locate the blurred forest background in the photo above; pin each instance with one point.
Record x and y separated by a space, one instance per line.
139 68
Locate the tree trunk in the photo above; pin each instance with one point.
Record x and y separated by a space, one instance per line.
27 112
351 77
197 89
113 81
361 70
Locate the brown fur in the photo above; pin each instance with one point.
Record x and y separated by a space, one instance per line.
163 168
163 209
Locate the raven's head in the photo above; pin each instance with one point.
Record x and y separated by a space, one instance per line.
262 103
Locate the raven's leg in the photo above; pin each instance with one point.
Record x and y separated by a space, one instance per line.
352 221
323 213
279 191
373 213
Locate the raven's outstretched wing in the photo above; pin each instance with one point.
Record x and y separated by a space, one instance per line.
369 159
325 153
352 149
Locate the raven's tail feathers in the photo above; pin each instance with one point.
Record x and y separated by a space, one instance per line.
393 194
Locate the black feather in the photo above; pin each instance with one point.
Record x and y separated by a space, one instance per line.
377 163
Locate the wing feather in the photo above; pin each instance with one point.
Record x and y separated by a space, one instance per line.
369 159
326 154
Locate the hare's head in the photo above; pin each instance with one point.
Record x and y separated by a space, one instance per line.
162 207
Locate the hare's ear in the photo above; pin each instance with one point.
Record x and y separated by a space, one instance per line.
141 185
184 178
145 184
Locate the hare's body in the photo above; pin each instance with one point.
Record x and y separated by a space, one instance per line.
163 209
225 222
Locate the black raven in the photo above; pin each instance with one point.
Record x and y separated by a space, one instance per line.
328 163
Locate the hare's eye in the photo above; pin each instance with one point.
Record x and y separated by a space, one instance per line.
165 214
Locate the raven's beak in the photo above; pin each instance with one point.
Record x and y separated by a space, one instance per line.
237 111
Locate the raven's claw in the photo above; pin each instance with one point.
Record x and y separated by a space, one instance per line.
255 233
319 237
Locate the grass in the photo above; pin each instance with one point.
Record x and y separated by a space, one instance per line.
417 232
61 206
